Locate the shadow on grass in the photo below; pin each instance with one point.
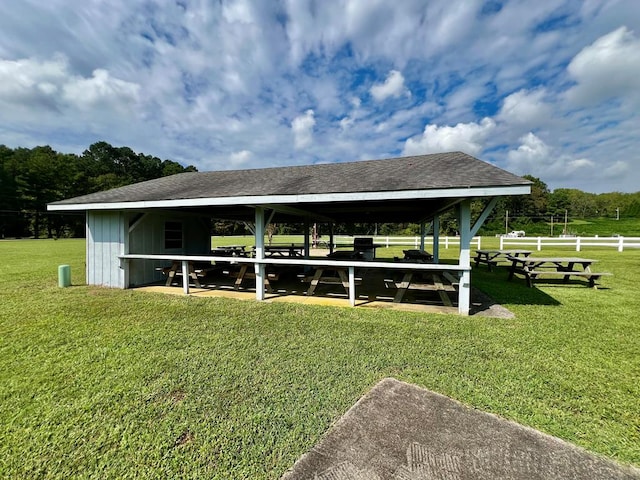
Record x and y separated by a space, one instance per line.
516 292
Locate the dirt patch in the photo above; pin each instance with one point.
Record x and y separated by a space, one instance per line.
184 438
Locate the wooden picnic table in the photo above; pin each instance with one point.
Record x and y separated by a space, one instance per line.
230 251
284 250
491 257
246 272
196 270
327 275
565 267
417 255
436 284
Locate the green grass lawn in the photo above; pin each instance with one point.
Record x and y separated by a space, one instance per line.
108 383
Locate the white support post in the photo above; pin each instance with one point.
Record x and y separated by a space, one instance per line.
539 243
620 243
185 276
259 241
436 239
352 286
464 289
501 242
578 244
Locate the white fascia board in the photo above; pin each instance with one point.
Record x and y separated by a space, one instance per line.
302 198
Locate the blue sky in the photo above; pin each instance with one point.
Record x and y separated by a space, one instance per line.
549 88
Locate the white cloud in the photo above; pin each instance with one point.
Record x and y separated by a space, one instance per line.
302 127
237 159
239 11
29 83
346 122
537 158
608 68
205 82
465 137
101 89
531 154
525 108
393 86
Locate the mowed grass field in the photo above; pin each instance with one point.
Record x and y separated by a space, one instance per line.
102 383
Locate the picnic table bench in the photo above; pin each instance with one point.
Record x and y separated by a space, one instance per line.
245 273
195 272
436 284
491 257
293 251
565 267
330 276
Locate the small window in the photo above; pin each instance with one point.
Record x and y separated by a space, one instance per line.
173 235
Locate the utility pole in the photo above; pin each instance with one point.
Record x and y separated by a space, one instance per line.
552 225
565 223
506 222
617 213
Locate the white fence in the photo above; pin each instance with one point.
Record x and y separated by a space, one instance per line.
414 242
578 242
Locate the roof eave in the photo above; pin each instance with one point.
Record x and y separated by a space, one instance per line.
468 192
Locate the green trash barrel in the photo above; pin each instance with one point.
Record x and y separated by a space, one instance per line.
64 276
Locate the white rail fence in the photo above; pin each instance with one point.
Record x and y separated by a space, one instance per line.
446 242
578 242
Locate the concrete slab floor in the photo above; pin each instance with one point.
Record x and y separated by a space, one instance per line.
481 304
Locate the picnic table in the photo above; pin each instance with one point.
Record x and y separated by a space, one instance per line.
435 283
195 270
417 255
565 267
284 250
246 272
491 257
327 275
230 251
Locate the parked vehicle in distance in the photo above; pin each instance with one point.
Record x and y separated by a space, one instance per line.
516 233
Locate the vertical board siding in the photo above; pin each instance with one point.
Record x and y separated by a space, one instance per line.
105 241
147 237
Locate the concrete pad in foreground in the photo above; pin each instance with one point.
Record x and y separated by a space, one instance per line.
399 431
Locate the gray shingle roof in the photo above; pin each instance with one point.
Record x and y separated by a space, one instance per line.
423 172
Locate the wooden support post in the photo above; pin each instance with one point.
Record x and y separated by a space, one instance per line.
185 277
259 240
464 290
436 239
352 286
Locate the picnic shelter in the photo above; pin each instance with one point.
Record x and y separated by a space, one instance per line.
132 231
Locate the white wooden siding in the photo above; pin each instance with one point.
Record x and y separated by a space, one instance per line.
105 241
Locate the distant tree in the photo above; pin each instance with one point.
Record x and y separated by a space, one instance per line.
31 178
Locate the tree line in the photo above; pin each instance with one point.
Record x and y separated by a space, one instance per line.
534 213
32 178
